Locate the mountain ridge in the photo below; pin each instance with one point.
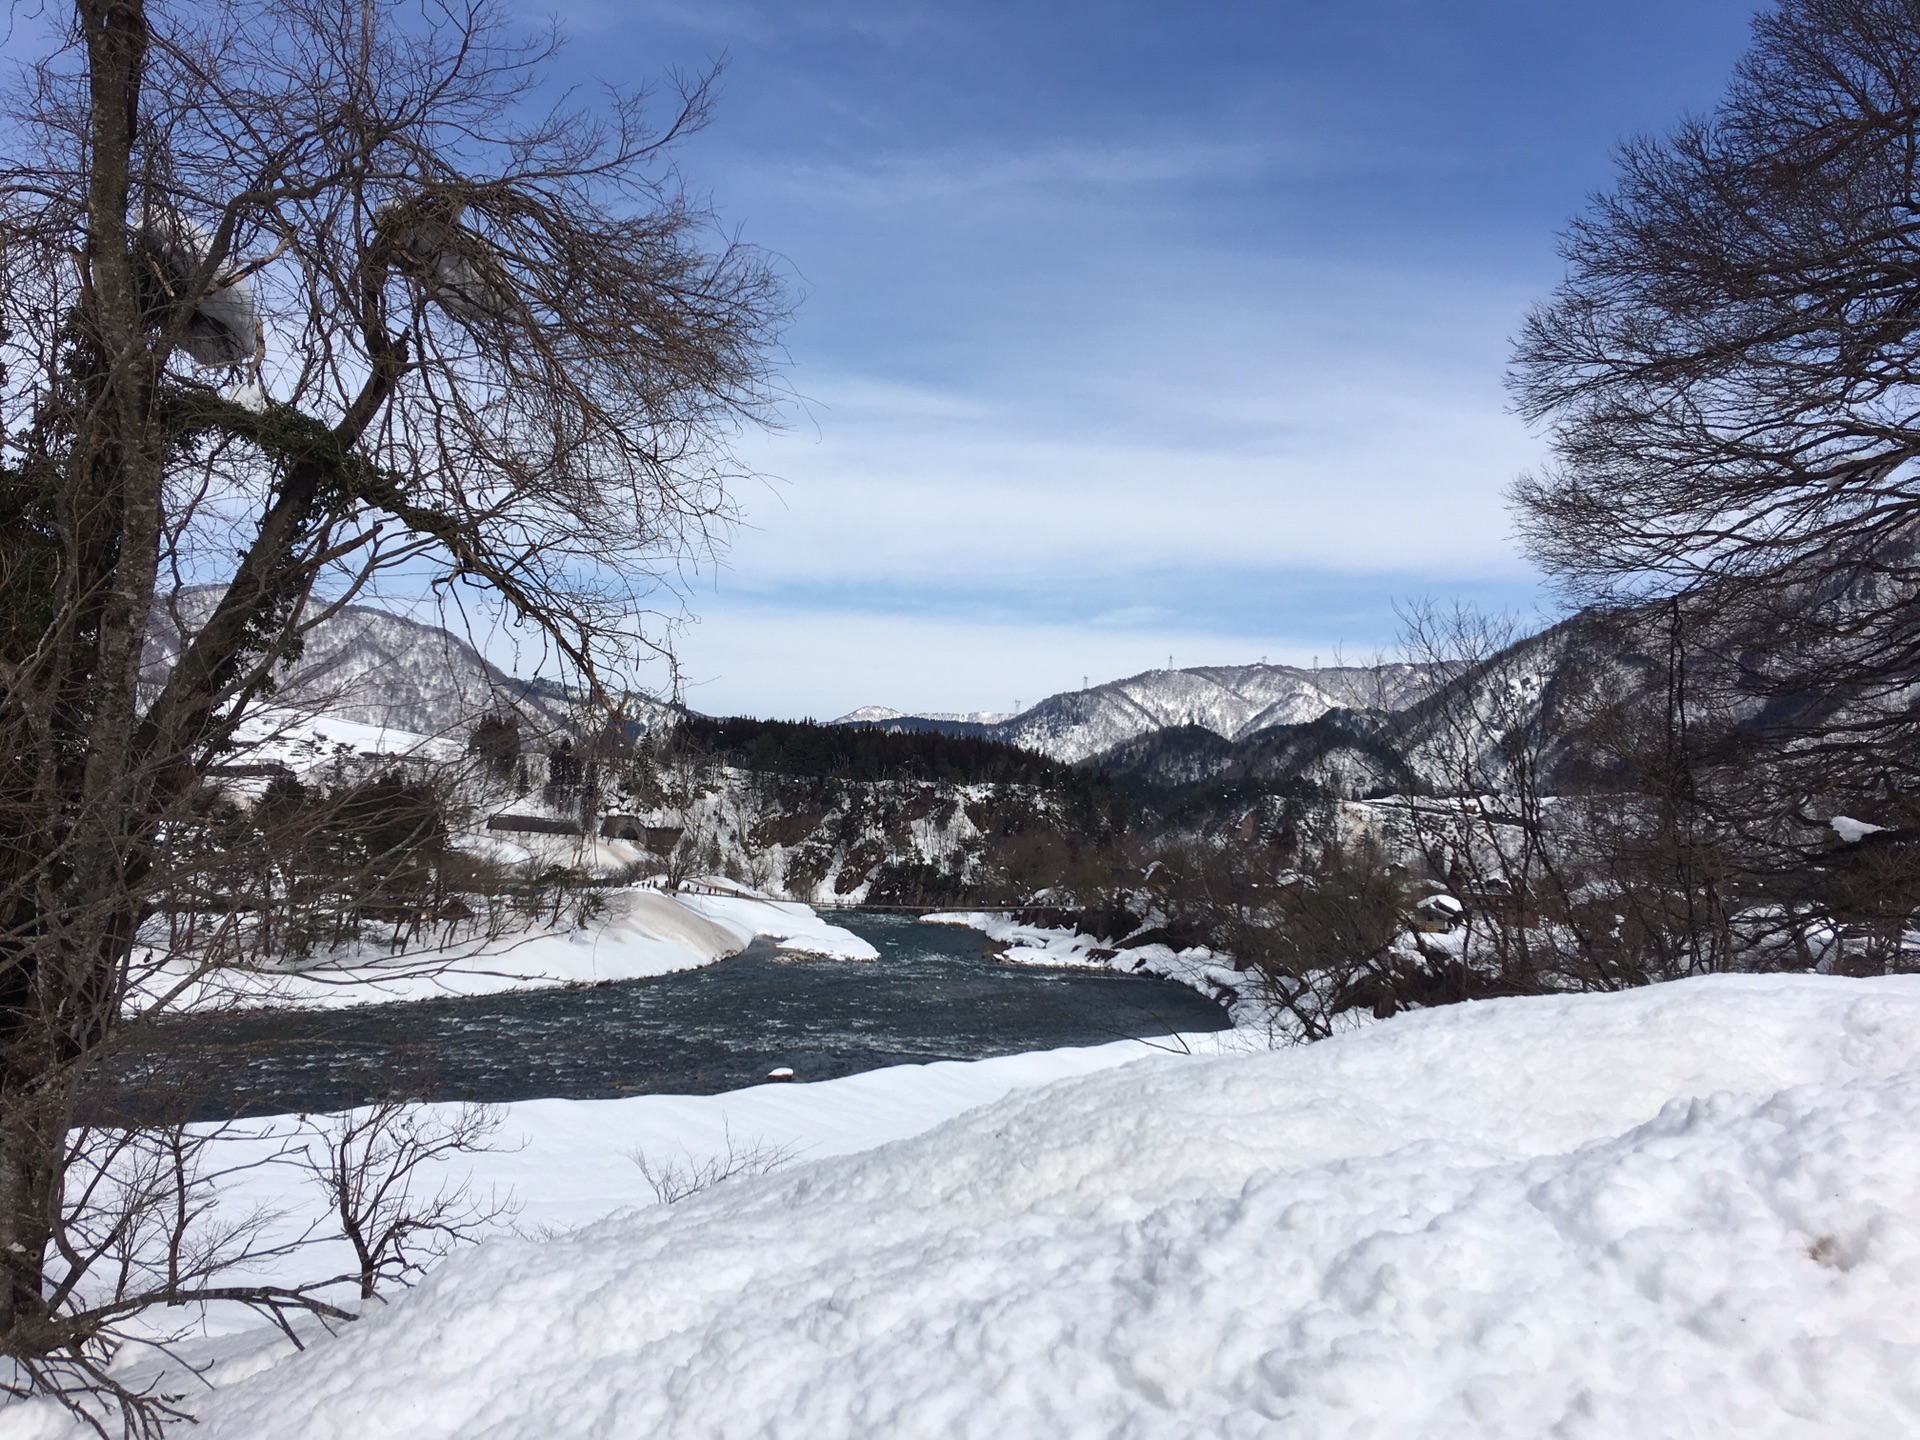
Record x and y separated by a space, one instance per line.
1230 701
373 667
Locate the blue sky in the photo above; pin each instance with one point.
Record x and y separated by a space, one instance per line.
1135 331
1131 331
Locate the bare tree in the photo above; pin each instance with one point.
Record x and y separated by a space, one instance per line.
148 1221
1485 746
370 1164
151 1219
1330 939
295 297
1573 800
673 1180
1730 374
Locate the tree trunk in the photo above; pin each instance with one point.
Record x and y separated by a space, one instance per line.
76 861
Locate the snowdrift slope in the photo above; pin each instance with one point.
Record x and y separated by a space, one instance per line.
642 932
1687 1210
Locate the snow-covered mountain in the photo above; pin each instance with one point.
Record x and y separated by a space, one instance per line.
1231 701
374 668
1438 736
1541 696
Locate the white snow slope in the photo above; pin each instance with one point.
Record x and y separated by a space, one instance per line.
1198 968
642 932
1692 1210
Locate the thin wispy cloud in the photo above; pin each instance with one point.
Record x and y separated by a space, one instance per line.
961 174
1127 333
745 22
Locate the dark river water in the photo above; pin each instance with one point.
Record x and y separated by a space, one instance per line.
935 994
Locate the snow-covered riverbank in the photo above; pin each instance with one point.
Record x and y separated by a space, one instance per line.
1683 1210
637 932
1197 968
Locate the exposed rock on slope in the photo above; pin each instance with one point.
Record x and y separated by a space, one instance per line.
1229 701
374 668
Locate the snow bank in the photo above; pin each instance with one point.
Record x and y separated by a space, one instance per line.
794 925
1196 967
569 1163
303 741
563 1164
642 932
1686 1210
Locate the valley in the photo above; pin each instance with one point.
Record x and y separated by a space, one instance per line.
448 993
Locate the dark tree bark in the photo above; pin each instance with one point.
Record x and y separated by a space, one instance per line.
73 919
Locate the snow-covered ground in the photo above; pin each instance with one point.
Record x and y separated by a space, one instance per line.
794 925
640 932
1197 967
571 1163
1679 1211
304 742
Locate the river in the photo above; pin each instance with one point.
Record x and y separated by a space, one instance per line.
936 993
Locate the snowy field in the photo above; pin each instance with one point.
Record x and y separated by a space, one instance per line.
641 932
1691 1210
305 742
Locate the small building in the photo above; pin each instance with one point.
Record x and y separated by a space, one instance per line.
1437 913
534 825
654 839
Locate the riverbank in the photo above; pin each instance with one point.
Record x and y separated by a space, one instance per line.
1684 1209
1198 968
634 932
